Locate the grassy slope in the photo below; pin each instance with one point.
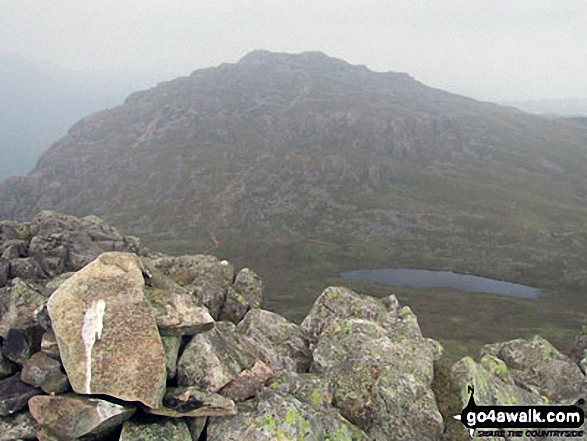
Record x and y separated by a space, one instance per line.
510 226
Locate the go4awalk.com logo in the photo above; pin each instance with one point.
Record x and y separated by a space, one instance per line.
517 421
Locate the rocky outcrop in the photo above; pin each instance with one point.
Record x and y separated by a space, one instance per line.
137 331
378 363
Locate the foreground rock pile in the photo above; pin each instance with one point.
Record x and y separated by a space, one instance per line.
103 339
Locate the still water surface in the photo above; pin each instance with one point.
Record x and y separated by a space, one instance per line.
444 279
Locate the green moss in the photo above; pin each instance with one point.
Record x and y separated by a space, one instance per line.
268 421
316 397
340 435
291 417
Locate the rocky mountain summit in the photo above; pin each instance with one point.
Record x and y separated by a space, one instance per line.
105 339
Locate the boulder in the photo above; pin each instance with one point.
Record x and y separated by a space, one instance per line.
537 366
120 353
73 416
20 426
380 366
14 394
191 402
244 294
273 416
169 430
271 332
45 372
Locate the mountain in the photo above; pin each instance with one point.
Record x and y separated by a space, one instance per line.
306 166
40 102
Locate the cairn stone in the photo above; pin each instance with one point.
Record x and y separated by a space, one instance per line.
120 351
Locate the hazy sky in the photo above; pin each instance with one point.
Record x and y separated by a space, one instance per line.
492 49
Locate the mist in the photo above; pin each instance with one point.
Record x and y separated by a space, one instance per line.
496 51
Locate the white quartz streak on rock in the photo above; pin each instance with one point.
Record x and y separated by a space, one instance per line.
91 332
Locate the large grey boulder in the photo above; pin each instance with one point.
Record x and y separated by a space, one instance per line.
120 352
380 366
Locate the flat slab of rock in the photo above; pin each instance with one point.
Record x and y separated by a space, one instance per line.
190 402
107 335
73 416
172 430
14 394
